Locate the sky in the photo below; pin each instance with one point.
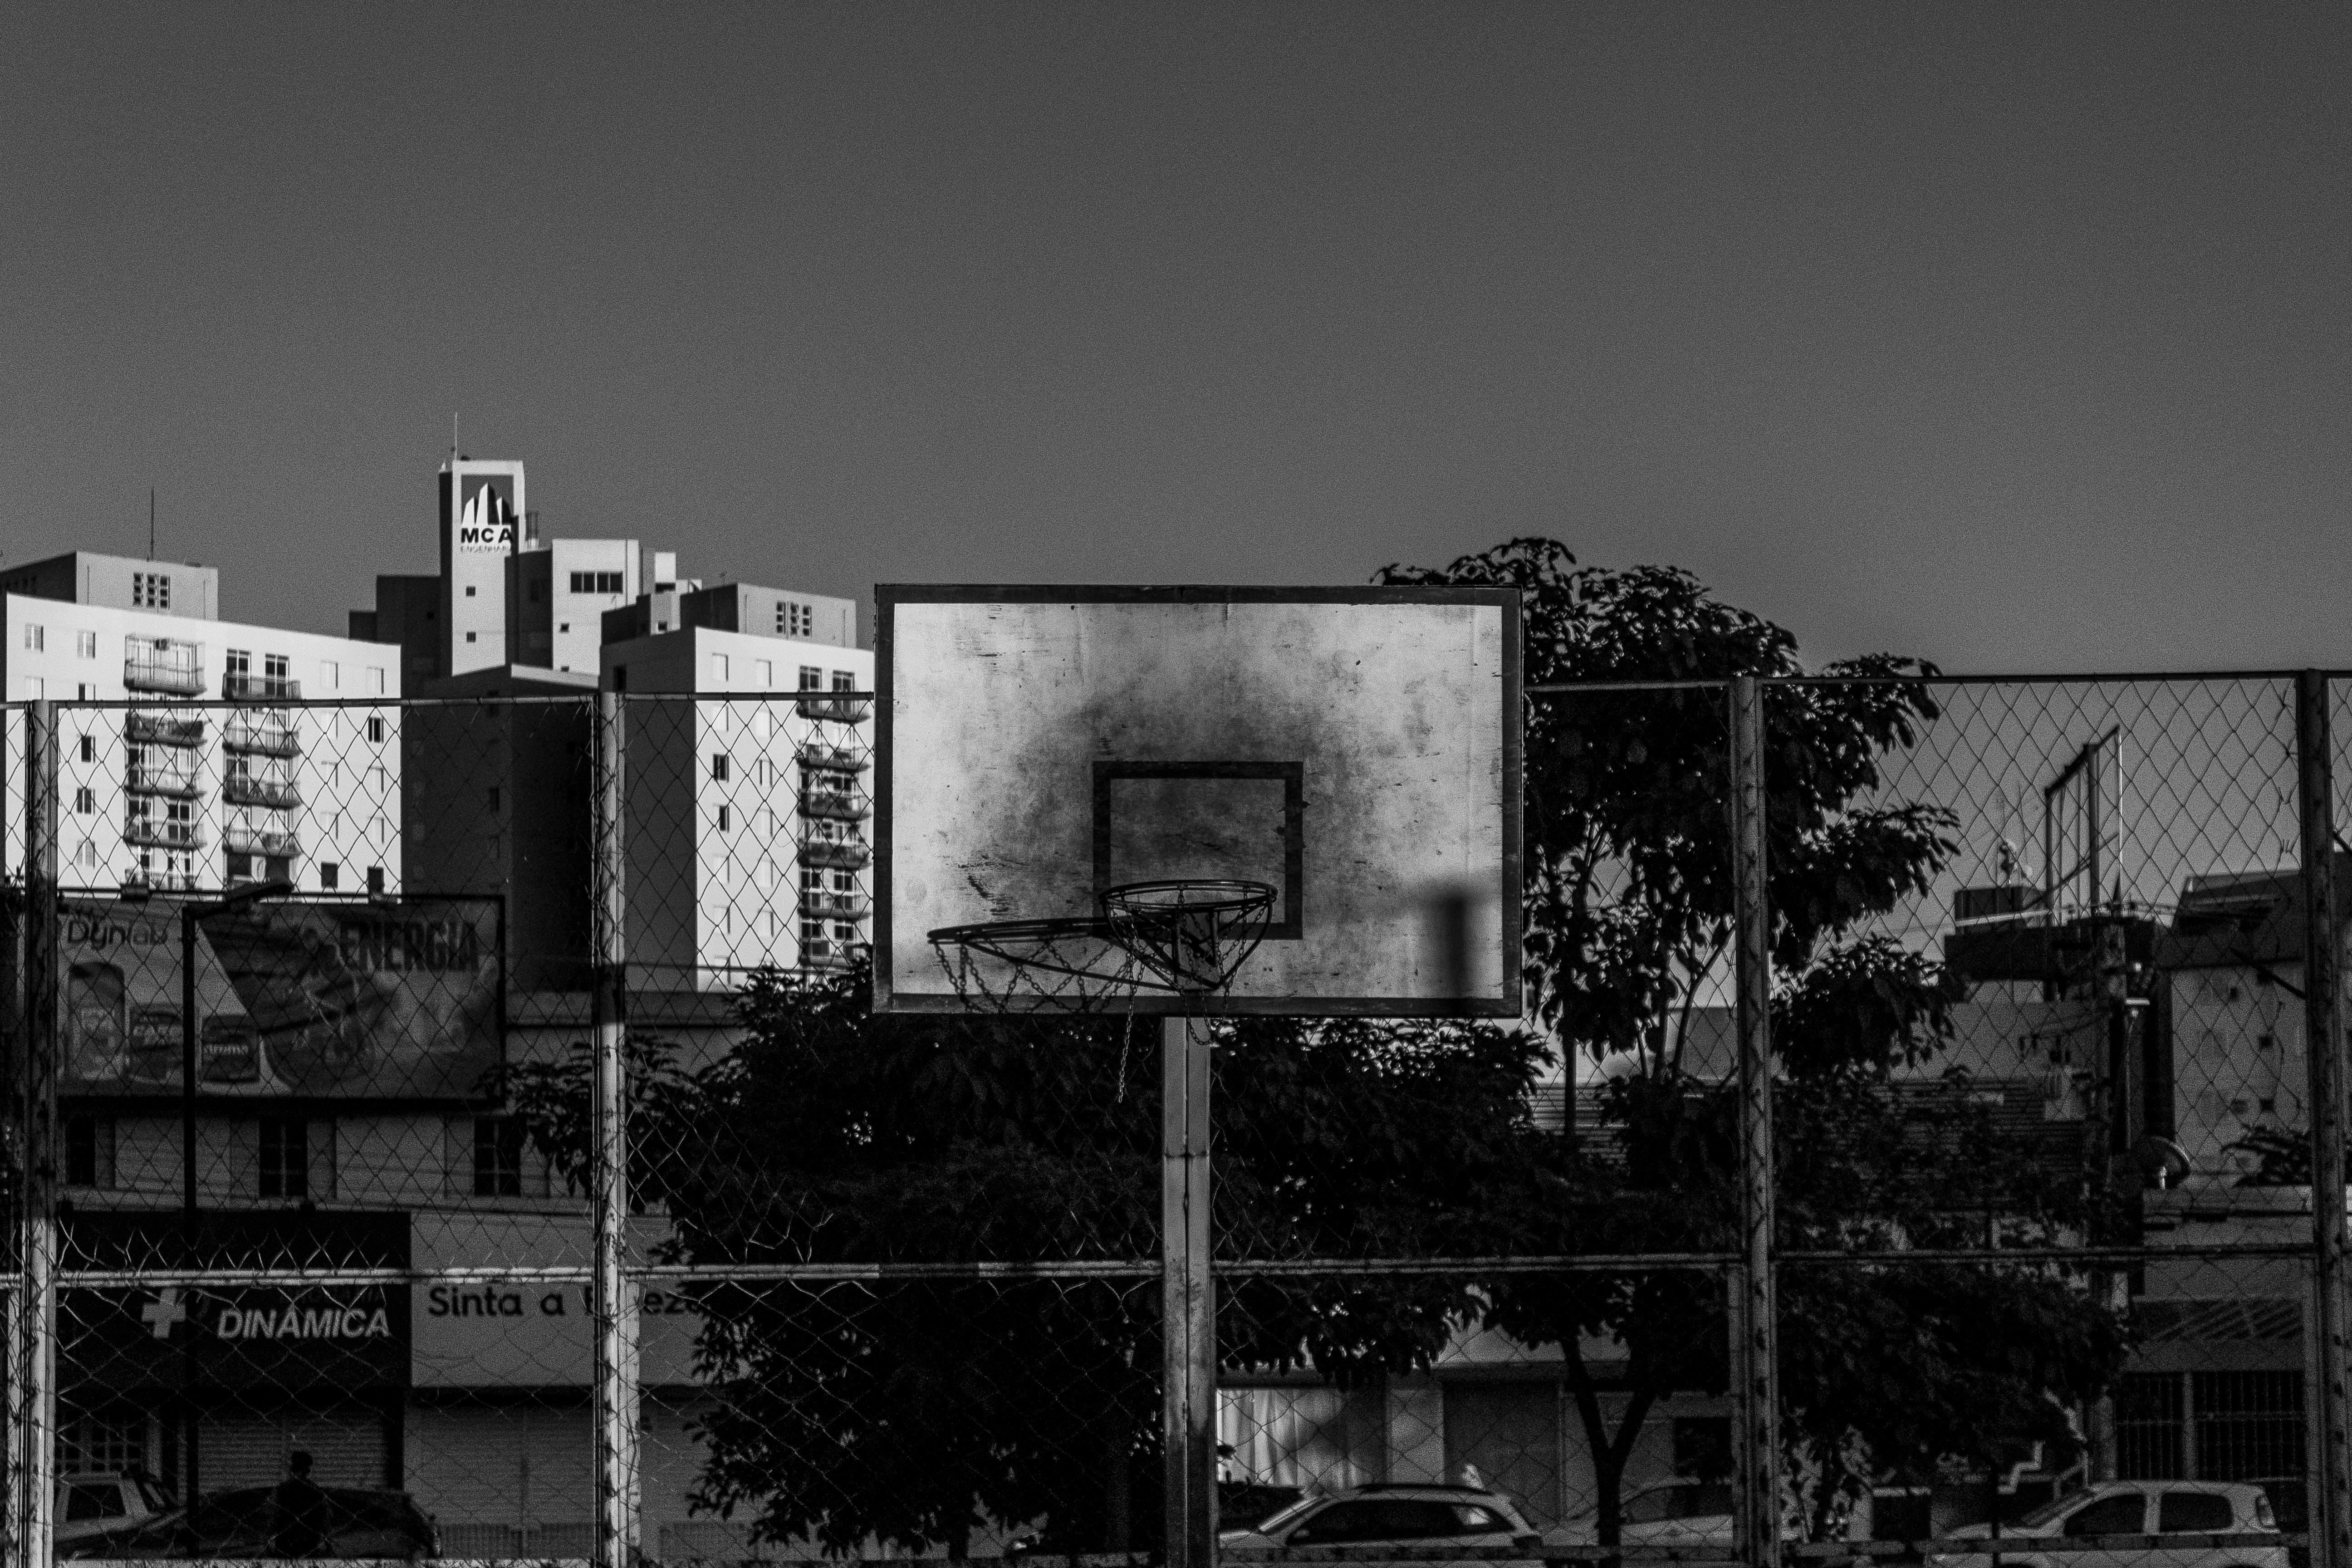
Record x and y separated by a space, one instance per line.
2012 337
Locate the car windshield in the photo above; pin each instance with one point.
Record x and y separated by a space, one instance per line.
2046 1512
1289 1515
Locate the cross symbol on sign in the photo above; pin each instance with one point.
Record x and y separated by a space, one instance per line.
164 1311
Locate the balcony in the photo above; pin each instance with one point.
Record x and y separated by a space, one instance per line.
839 759
836 906
173 666
824 953
848 857
248 790
162 730
262 735
240 688
157 834
179 783
839 710
161 881
242 840
837 803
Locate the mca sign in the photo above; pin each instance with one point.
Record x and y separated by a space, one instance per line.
486 513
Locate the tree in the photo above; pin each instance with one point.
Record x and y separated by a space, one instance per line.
912 1409
1629 916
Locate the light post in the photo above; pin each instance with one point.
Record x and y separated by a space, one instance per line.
190 915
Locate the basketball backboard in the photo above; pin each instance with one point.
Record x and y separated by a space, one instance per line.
1356 750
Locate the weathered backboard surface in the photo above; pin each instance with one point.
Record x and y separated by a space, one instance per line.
1355 749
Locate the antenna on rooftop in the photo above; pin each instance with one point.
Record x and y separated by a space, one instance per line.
150 522
452 435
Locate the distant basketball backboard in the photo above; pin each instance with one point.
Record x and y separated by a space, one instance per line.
1355 750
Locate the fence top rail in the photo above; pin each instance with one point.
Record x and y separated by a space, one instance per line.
1941 678
2041 1545
584 698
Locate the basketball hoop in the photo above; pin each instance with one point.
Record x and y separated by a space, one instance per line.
1186 936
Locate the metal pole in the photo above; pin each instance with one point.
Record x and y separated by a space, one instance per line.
2323 1033
1188 1313
612 1306
188 1079
36 1362
1756 1343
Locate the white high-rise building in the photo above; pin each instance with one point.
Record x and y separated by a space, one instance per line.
747 844
202 770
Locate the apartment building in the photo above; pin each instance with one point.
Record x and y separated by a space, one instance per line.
201 773
748 799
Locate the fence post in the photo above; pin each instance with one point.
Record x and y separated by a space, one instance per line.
1756 1521
1188 1315
34 1384
613 1304
2323 1033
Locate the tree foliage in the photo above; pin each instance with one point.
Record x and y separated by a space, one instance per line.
1630 909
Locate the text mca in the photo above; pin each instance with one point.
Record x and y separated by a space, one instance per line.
302 1323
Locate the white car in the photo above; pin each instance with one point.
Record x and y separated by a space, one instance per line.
96 1502
2134 1507
1400 1515
1667 1513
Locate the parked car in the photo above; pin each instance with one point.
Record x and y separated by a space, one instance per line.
2291 1506
1670 1513
96 1502
243 1523
1243 1504
1400 1515
2136 1508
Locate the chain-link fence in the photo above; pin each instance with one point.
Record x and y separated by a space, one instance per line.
1909 1146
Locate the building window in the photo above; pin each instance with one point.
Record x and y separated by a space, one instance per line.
812 678
276 665
469 590
719 766
375 880
2148 1426
86 645
36 687
718 668
332 673
844 680
285 1157
90 1152
494 797
90 748
469 636
36 639
724 819
375 680
237 661
596 582
375 730
766 671
151 591
85 801
497 1157
330 873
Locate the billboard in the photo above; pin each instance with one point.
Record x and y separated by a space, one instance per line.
485 513
231 1336
317 999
